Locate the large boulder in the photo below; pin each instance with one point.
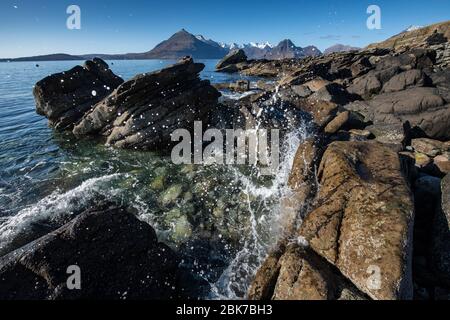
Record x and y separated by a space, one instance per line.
143 113
233 58
65 97
363 217
119 258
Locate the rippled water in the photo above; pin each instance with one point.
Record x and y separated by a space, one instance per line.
221 219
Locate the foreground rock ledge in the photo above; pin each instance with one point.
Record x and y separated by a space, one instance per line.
119 258
363 218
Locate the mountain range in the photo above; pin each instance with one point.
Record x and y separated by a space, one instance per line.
184 43
340 48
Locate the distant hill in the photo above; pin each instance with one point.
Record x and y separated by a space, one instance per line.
48 57
414 37
340 48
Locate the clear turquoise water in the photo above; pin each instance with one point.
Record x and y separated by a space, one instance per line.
221 219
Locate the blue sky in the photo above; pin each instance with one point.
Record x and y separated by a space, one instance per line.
32 27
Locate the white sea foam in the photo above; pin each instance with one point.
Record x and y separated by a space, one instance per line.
266 223
56 207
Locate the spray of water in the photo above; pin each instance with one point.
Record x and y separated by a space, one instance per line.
266 218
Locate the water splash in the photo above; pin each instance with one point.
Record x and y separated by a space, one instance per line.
266 218
53 211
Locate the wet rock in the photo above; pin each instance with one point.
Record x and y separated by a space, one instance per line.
181 229
363 195
65 97
143 112
171 194
119 258
228 63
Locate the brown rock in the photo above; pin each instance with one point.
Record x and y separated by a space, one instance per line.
431 148
337 123
362 221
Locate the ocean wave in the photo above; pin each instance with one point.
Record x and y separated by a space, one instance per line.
53 211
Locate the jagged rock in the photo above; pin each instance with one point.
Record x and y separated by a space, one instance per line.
363 217
65 97
119 258
143 113
233 58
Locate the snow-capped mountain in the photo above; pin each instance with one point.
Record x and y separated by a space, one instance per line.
412 28
262 50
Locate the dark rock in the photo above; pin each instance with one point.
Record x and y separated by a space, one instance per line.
119 258
372 83
234 57
333 92
65 97
441 80
441 235
436 38
423 108
404 80
143 112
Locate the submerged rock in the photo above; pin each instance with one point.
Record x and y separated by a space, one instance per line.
65 97
118 256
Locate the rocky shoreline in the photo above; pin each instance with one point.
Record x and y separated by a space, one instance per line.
370 192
